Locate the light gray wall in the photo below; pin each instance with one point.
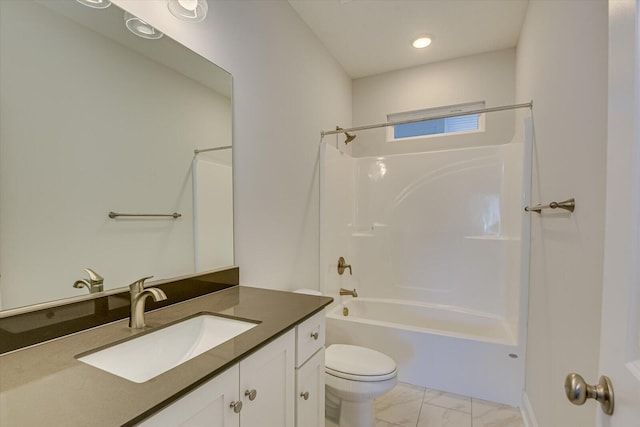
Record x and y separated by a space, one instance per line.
488 77
562 66
287 88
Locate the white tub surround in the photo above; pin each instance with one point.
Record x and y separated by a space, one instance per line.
438 244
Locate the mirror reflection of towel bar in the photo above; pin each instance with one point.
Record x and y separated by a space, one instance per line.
174 215
568 205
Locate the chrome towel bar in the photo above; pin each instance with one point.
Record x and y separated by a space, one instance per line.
568 205
174 215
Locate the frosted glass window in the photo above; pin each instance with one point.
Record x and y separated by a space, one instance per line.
470 122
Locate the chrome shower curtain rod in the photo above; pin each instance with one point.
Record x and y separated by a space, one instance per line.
443 116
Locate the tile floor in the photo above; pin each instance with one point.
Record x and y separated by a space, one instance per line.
412 406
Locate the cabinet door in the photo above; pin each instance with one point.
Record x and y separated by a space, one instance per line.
208 405
267 385
310 392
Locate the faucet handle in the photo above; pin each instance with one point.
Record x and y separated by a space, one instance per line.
342 266
94 277
138 285
93 284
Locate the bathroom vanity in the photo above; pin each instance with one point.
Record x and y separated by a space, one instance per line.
270 375
258 391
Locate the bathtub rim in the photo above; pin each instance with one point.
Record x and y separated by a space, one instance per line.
334 311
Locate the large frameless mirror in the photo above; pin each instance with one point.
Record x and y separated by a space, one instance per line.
95 119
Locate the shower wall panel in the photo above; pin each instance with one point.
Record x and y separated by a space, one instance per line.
440 227
337 202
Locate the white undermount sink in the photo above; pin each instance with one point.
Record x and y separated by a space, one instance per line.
149 355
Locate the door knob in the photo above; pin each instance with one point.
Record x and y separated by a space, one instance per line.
578 391
251 394
305 395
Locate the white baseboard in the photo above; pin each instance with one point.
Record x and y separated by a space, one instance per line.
527 412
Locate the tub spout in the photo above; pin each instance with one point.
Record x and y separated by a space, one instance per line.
353 293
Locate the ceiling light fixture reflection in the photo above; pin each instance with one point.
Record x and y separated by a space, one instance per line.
189 10
422 42
140 28
377 170
96 4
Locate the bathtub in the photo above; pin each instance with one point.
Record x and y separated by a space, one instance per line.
435 346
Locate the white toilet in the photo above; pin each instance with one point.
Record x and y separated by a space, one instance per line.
354 377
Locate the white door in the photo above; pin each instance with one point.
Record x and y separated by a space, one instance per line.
620 331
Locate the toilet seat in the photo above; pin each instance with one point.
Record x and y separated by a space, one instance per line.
358 363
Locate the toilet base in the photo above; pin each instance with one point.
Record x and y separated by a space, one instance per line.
350 409
357 414
351 393
331 406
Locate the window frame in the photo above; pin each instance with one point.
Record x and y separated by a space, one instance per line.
426 113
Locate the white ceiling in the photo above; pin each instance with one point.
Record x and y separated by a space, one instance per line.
370 37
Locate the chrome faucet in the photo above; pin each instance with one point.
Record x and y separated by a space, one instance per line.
93 284
344 291
138 296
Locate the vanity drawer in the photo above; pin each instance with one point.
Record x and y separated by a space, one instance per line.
310 336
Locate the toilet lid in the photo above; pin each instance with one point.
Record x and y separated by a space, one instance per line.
358 363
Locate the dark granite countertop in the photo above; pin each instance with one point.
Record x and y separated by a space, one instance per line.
46 385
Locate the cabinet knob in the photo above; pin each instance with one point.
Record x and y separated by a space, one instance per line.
315 335
237 406
305 395
251 394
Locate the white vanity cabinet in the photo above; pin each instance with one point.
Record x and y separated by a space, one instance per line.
256 392
310 337
267 385
208 405
310 392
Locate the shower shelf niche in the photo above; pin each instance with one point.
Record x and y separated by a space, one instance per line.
366 231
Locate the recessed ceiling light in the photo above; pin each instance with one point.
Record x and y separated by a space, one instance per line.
189 10
422 42
96 4
140 28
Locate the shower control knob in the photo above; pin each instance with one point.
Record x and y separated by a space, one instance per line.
578 391
342 266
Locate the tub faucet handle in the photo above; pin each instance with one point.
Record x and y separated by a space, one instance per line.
342 266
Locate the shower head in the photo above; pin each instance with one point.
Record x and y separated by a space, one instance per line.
350 137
